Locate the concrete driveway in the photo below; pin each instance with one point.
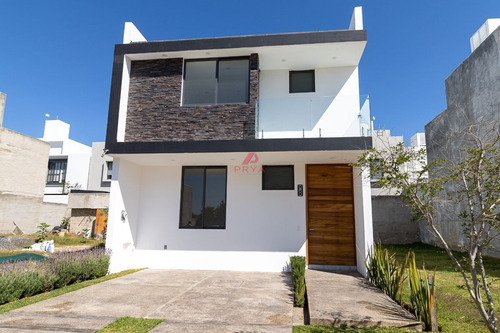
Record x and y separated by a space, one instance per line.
189 301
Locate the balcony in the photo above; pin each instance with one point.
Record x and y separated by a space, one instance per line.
312 117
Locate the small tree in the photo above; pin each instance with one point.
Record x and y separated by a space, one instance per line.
43 231
476 179
65 222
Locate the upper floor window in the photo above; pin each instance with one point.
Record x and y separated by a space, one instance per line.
107 173
216 81
302 81
57 171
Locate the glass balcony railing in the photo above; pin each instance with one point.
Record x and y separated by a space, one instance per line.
298 116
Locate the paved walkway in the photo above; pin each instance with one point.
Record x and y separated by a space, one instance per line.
189 301
346 298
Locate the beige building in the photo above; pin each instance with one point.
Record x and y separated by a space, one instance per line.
23 169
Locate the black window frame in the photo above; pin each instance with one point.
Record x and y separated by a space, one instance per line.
278 189
61 175
108 175
305 71
204 193
217 60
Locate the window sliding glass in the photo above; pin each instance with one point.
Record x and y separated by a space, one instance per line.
203 199
218 81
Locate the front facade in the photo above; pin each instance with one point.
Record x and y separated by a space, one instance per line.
233 153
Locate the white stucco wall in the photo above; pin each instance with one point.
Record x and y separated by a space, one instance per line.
97 171
263 228
363 217
333 107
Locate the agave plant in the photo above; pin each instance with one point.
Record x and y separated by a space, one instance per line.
421 293
385 272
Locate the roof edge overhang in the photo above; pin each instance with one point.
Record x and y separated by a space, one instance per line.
298 38
251 145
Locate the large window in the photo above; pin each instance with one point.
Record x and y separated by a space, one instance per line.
277 177
57 172
216 81
203 198
302 81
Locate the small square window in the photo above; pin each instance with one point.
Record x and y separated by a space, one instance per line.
277 177
302 81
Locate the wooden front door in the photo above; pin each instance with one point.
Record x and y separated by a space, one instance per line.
330 215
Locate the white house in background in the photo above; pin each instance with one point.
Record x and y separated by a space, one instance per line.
383 140
233 153
68 162
101 167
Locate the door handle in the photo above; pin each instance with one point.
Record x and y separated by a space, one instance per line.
310 229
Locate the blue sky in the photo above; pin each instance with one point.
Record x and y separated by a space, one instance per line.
56 56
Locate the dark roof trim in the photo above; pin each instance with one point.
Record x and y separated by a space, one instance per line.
334 36
230 146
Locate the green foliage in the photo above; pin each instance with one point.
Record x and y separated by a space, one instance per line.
43 231
71 240
390 168
19 279
131 325
298 264
385 272
57 292
468 184
421 292
347 329
65 222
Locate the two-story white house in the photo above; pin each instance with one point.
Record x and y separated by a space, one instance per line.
234 153
68 162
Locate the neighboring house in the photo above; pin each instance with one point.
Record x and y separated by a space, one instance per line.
69 162
101 168
233 153
392 219
472 95
89 206
382 140
77 179
23 162
33 174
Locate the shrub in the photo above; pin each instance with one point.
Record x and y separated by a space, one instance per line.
43 231
25 278
385 272
79 266
298 264
421 293
22 279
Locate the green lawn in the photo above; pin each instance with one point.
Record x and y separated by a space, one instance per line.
131 325
329 329
456 311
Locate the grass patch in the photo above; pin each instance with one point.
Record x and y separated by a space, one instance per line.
57 292
455 309
70 240
344 329
131 325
